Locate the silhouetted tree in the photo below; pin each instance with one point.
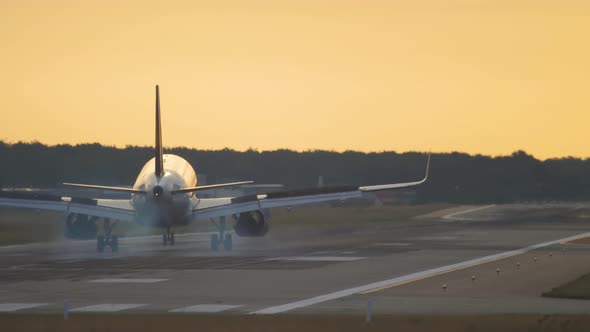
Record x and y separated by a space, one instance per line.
455 177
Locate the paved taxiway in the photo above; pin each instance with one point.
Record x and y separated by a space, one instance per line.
400 267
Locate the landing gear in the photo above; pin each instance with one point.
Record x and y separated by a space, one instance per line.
100 243
221 238
214 242
227 243
107 240
168 237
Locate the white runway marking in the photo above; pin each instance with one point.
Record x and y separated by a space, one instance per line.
408 278
127 280
9 307
317 258
454 216
73 261
323 252
206 308
108 307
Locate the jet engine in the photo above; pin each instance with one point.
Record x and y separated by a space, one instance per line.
80 227
250 224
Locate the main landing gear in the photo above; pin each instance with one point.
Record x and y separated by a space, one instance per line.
222 238
107 240
168 237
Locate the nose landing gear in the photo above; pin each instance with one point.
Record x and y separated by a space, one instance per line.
107 240
168 237
221 238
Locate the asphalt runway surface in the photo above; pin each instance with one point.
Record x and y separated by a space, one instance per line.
515 253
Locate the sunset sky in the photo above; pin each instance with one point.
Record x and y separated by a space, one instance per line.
486 77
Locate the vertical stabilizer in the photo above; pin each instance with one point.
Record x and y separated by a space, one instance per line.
159 150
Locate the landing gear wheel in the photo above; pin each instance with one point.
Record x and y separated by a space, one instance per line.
168 237
227 242
114 244
100 244
107 239
221 237
214 242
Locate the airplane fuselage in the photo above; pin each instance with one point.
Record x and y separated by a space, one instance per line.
158 206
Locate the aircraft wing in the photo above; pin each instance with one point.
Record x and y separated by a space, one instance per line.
119 209
216 207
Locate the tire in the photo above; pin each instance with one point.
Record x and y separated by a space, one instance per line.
227 243
214 242
100 244
114 244
172 238
164 239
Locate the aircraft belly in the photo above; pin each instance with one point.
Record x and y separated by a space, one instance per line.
163 214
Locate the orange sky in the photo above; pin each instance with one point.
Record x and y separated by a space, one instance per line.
485 77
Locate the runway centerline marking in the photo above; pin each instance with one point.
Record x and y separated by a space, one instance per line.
453 216
206 308
127 280
9 307
108 307
384 284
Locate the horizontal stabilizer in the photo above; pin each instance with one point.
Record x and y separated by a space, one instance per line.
91 186
212 186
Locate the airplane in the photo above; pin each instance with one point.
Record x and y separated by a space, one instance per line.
164 196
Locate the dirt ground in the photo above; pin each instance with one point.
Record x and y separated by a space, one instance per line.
287 323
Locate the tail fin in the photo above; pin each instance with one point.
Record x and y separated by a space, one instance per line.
159 149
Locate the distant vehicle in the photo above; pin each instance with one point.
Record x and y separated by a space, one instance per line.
164 195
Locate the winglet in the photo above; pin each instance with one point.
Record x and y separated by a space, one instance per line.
427 167
398 185
159 150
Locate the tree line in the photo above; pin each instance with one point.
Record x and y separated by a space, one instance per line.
454 177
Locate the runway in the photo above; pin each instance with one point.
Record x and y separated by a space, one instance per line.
515 253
